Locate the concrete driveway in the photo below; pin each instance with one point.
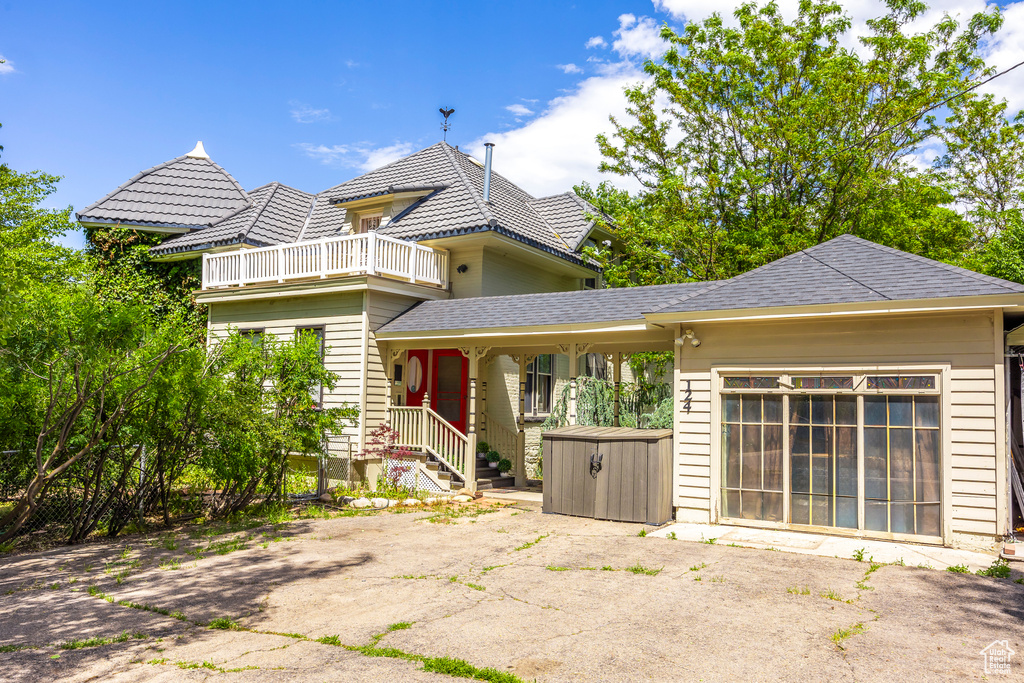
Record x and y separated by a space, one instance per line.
542 597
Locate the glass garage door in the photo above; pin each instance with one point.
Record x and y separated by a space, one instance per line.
848 452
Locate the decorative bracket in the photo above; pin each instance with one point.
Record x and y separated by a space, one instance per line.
564 349
474 352
395 354
583 348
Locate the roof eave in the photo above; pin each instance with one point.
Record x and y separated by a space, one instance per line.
887 307
147 226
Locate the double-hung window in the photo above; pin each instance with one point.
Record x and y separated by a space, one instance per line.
317 391
539 384
840 450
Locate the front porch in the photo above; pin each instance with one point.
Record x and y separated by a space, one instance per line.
445 401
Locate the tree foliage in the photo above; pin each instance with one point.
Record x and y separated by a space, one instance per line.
755 141
109 401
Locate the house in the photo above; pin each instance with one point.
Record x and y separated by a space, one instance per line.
848 388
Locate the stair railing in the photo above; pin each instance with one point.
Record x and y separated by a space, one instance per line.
421 428
500 438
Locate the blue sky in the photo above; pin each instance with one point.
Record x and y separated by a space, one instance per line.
311 94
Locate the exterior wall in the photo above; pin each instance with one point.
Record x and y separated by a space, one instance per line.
491 273
381 308
345 330
504 275
969 344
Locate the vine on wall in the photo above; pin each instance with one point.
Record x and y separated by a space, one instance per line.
125 271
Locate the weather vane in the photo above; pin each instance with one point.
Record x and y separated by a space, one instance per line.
445 126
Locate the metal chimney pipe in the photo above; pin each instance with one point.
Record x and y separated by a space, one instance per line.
489 152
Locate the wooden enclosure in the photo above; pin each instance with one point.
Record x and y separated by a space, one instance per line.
609 473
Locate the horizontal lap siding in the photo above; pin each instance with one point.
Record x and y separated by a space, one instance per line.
339 314
381 309
964 341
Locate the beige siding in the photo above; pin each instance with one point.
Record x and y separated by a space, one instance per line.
965 342
381 308
339 314
504 275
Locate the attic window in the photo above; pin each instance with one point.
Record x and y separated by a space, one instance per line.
368 223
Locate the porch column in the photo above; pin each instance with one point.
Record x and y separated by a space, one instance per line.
392 355
574 367
617 375
474 354
521 423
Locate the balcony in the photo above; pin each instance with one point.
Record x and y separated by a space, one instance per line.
350 255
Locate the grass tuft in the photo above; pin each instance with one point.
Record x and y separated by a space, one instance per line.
530 544
224 624
640 569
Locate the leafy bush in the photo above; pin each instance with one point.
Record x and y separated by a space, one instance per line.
493 456
504 465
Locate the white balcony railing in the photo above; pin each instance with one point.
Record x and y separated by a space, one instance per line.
365 254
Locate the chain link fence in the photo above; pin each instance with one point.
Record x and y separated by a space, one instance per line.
312 476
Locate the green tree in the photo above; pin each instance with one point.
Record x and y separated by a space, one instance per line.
750 143
31 261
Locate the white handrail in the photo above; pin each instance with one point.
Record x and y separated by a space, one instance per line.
363 254
421 428
500 438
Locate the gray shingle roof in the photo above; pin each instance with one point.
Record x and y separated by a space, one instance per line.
197 194
458 208
846 269
549 308
185 192
567 215
276 215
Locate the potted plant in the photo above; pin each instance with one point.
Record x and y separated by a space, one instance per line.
1009 546
492 458
504 465
482 447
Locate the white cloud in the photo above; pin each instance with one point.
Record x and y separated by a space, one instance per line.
5 66
351 63
375 158
519 110
303 113
570 68
361 156
597 41
556 150
638 38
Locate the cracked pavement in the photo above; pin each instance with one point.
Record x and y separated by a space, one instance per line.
547 612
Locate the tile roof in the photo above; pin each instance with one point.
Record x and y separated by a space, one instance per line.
458 208
844 270
276 215
196 193
549 308
185 192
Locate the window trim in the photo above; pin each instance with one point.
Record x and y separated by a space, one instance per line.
532 371
366 217
940 370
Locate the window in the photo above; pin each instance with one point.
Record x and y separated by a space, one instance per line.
901 464
538 385
369 223
317 391
592 365
253 336
846 450
590 283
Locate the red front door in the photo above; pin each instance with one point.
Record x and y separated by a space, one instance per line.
450 386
